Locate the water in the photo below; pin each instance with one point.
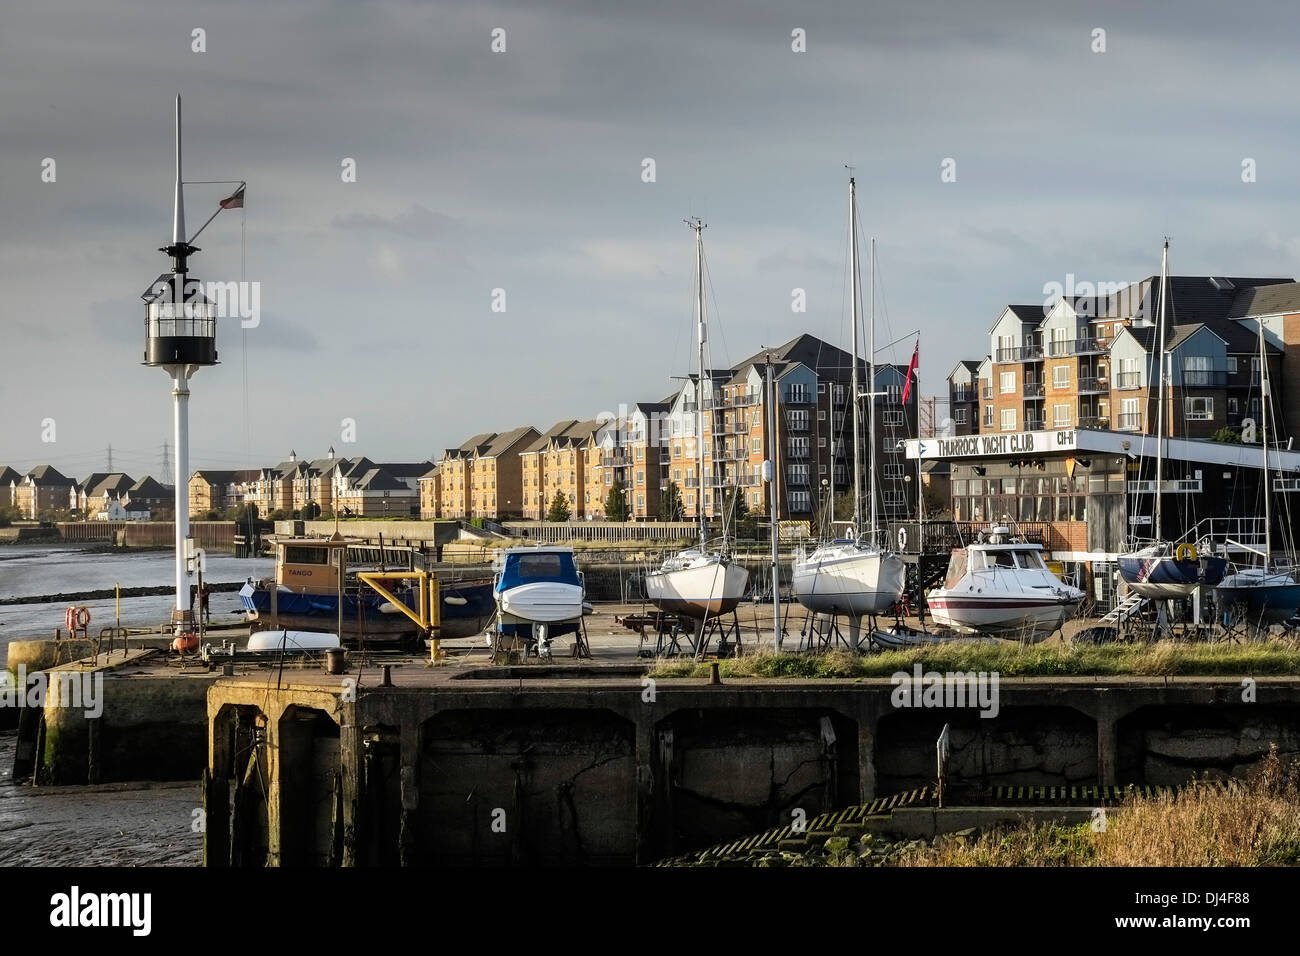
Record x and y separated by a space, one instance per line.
59 568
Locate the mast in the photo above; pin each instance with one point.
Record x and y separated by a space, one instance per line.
1263 410
871 386
1160 388
698 225
853 377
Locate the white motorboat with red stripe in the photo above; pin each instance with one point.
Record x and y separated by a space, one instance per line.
1001 585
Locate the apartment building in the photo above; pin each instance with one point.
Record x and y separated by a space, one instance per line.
43 489
456 481
430 494
219 490
557 463
964 395
9 479
495 474
1090 362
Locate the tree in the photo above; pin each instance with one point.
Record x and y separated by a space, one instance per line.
671 507
1227 435
310 511
737 514
559 509
242 514
616 508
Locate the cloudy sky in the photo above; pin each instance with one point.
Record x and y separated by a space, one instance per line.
522 170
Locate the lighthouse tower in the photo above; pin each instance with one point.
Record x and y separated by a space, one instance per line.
180 327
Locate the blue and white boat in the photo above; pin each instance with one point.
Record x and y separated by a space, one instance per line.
540 594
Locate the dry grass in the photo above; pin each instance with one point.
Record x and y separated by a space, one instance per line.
1161 659
1252 823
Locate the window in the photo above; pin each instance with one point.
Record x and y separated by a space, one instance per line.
800 501
1196 370
798 474
1234 407
894 394
821 388
1008 419
640 477
1130 419
894 499
821 415
799 420
893 470
821 443
839 395
1232 365
1130 376
961 416
1060 415
796 392
1060 376
640 501
798 447
1007 382
1199 408
1005 344
988 416
892 419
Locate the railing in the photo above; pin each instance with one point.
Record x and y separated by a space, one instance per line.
616 461
1033 389
1024 353
1034 424
1128 380
1227 534
1183 486
1204 378
1129 421
1091 384
1085 345
987 391
963 394
1095 422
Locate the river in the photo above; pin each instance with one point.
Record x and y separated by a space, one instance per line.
32 569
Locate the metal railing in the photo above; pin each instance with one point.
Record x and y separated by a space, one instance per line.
1204 378
1033 389
963 394
1128 380
1084 345
987 391
1092 384
1094 421
1024 353
1034 424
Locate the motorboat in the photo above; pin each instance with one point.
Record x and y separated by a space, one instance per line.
1001 585
540 594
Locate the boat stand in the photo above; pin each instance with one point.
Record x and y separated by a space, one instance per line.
724 630
669 634
821 639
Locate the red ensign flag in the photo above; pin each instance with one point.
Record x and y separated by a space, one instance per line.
911 371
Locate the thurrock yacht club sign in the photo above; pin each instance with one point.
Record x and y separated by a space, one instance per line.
979 446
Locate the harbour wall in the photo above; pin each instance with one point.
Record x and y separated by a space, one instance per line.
491 771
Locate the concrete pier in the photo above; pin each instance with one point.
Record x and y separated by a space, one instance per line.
473 766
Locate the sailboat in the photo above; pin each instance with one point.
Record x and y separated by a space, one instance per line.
1261 595
854 576
1162 570
698 582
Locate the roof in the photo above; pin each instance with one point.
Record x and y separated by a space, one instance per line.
1029 314
107 482
8 475
146 487
1272 299
379 479
471 446
544 440
504 441
431 473
405 469
49 475
1237 338
226 476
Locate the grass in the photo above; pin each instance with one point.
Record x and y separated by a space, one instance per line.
1160 659
1255 823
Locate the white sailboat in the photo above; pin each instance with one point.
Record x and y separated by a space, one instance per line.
699 582
854 576
1158 569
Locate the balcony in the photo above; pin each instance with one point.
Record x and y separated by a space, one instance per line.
1090 385
1094 422
963 394
1086 345
987 391
1034 424
1129 421
1128 380
617 460
1033 390
743 399
1204 378
1025 353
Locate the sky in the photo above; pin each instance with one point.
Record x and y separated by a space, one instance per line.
524 170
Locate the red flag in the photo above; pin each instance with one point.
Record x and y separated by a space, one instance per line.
234 202
911 370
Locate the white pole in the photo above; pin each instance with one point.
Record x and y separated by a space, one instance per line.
181 401
853 374
771 494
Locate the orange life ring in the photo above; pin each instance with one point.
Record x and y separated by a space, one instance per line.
83 617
